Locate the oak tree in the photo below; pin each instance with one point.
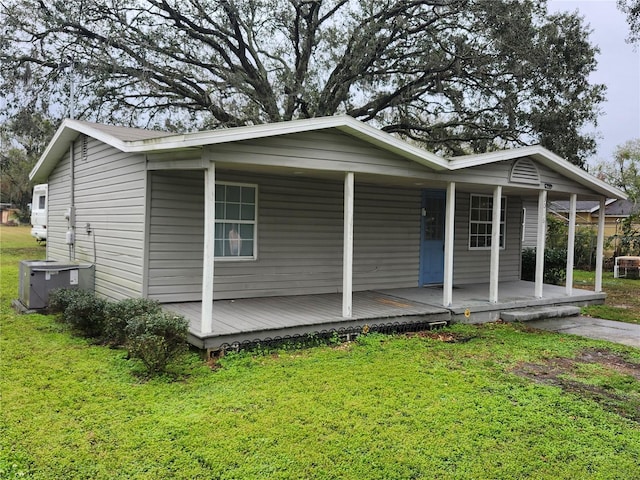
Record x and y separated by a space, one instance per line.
455 76
632 9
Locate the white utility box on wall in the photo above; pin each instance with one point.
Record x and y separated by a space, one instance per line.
39 277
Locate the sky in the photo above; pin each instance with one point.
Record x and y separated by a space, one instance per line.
618 68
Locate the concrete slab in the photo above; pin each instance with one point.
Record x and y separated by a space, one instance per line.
596 328
540 313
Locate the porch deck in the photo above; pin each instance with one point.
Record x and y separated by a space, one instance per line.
237 321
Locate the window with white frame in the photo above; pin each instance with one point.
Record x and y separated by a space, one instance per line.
236 224
481 221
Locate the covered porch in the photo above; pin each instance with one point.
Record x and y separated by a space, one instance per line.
263 319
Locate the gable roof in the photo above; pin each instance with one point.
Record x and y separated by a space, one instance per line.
133 140
545 157
583 206
618 208
613 207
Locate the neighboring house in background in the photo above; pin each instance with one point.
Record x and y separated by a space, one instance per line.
8 214
584 210
305 210
560 209
587 214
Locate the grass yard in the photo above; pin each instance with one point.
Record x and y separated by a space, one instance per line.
623 296
492 401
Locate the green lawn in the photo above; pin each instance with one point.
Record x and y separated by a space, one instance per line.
623 296
495 401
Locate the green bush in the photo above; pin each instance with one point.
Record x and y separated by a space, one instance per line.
60 299
585 249
80 309
85 313
119 314
555 265
528 267
156 339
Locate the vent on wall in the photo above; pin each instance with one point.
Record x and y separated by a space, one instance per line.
84 147
524 171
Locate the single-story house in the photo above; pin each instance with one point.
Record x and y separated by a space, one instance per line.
280 228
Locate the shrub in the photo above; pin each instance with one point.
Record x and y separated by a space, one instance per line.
80 309
156 339
528 268
85 313
119 314
585 251
555 265
60 299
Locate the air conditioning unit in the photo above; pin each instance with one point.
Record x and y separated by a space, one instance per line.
39 277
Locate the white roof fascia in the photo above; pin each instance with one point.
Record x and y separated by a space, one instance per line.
466 161
547 158
70 129
67 132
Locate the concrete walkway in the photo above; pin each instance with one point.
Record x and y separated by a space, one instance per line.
596 328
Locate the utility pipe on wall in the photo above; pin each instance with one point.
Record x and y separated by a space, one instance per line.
70 213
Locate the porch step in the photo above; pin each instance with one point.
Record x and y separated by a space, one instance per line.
537 313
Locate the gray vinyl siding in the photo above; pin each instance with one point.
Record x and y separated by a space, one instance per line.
386 237
176 236
59 200
498 173
323 150
300 223
110 197
531 223
473 266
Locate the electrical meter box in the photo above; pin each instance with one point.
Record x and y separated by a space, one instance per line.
39 277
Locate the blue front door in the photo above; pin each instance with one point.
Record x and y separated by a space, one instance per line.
432 237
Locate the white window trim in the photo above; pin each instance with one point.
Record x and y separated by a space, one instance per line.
503 223
246 222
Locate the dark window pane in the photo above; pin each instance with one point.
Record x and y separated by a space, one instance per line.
247 248
246 231
233 193
248 195
219 211
232 211
247 212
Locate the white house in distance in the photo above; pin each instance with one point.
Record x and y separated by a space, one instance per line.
301 226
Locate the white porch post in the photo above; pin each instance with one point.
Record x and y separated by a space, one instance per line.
208 262
600 246
571 243
449 229
494 274
347 258
540 243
